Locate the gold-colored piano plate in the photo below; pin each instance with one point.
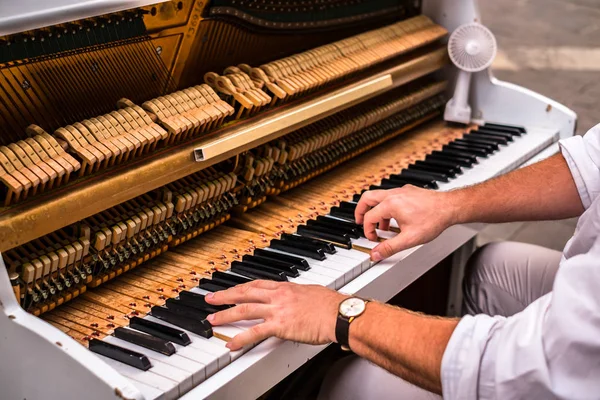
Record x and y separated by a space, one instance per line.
26 222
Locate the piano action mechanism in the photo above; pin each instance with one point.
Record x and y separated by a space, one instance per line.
152 152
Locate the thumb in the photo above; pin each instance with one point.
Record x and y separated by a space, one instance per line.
391 246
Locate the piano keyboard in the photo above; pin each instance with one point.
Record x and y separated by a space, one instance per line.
150 324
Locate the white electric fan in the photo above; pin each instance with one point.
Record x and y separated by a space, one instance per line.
472 48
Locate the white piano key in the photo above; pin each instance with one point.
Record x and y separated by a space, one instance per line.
302 281
320 271
168 387
386 234
194 367
324 276
357 255
183 378
210 361
149 392
227 330
344 270
213 346
319 277
341 259
365 243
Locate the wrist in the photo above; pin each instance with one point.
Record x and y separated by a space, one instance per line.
361 328
456 205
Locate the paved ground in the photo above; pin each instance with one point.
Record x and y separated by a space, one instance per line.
552 47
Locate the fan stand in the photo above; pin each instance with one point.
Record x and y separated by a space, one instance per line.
458 109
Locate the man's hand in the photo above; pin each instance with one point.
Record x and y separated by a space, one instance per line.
302 313
421 215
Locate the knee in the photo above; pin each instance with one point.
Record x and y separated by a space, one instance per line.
485 261
488 277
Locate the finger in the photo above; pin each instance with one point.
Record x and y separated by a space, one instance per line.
246 293
265 284
242 312
255 334
384 225
367 201
386 249
372 218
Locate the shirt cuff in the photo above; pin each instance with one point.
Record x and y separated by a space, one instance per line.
462 357
583 165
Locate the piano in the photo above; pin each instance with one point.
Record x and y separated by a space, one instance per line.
154 151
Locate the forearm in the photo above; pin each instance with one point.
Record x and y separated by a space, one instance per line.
545 190
407 344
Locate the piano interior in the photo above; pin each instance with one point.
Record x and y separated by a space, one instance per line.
151 155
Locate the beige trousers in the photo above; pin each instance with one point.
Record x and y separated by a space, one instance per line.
501 279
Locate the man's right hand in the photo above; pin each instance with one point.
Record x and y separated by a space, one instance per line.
421 215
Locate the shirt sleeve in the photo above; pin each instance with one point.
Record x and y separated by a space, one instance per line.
549 350
582 154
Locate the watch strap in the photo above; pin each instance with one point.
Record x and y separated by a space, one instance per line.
342 331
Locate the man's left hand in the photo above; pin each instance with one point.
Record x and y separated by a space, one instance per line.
302 313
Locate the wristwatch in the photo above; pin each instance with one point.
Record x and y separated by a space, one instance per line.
349 309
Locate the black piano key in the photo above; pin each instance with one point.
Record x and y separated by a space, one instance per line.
225 277
501 126
480 140
269 262
298 262
492 132
160 331
185 310
313 243
211 286
431 175
466 149
350 232
458 153
356 197
145 340
445 172
198 301
463 162
255 273
346 205
225 280
504 130
202 328
485 136
342 213
483 146
117 353
452 166
316 232
288 270
345 224
221 282
411 174
387 186
293 248
428 183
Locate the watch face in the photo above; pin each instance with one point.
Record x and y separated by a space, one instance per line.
352 307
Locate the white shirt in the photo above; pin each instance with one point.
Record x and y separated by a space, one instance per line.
550 350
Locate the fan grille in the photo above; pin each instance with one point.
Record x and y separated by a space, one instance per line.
472 47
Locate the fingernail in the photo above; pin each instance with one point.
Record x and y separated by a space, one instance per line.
228 345
211 317
375 256
209 296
